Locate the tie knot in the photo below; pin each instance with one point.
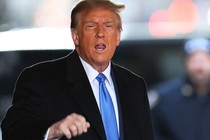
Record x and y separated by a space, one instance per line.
101 77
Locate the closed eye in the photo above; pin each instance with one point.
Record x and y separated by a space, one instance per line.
90 26
109 26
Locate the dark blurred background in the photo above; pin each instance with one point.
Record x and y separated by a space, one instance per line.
153 36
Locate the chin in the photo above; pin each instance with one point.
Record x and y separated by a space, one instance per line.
102 62
201 81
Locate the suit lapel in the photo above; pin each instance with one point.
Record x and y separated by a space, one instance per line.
124 101
119 106
83 94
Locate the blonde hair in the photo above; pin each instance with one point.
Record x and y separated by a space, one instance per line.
90 4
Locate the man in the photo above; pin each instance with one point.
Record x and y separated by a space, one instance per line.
62 99
182 111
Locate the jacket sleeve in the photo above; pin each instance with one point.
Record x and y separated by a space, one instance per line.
25 118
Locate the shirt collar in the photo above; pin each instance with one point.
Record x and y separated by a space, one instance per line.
92 73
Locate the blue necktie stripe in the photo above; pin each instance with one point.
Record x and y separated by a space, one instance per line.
107 110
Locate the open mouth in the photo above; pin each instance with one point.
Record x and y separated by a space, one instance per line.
100 47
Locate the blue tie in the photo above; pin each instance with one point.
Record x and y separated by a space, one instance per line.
107 110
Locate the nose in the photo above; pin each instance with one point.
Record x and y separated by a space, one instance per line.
100 32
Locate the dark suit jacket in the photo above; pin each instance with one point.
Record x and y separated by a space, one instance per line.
48 92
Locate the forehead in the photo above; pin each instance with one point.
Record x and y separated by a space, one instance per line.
199 54
98 14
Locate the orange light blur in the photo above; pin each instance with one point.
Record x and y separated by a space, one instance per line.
181 17
159 25
183 14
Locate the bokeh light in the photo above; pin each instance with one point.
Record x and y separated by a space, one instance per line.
181 17
159 25
53 13
183 14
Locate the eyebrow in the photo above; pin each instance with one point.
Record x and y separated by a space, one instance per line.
106 21
109 21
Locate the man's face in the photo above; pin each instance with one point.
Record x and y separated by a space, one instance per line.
97 36
198 67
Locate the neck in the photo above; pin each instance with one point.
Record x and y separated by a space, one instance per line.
100 68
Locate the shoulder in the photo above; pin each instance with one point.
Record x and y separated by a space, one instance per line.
167 93
127 74
170 86
44 68
50 64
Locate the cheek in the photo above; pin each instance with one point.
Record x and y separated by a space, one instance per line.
114 39
204 65
207 68
86 39
191 66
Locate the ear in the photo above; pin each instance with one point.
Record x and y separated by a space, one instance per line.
75 37
118 37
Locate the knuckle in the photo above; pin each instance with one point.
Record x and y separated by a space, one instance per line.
69 117
81 118
73 128
73 115
61 126
78 123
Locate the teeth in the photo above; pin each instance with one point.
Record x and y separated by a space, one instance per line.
100 47
100 44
